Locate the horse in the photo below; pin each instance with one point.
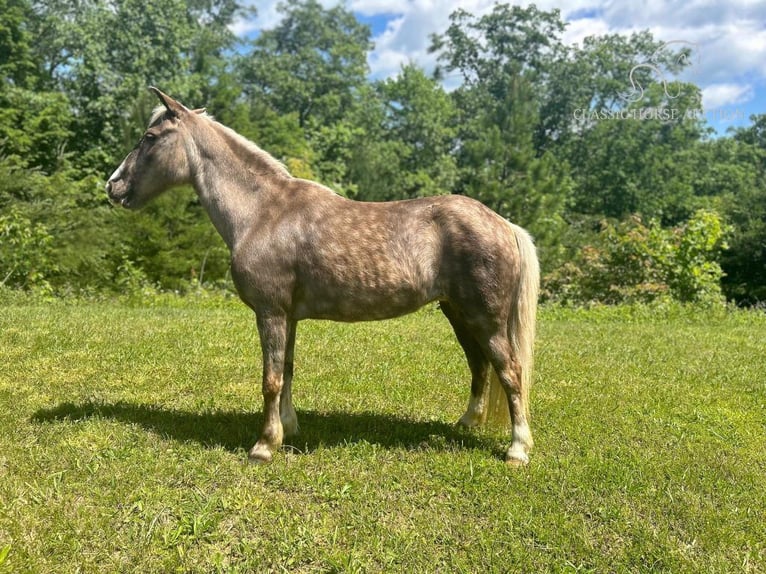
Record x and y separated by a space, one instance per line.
301 251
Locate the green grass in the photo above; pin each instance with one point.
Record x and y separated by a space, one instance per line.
124 434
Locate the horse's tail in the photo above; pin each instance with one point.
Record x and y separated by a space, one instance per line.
521 328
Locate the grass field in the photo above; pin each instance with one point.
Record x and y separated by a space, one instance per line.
124 434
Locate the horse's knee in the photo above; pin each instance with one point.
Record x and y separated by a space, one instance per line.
272 386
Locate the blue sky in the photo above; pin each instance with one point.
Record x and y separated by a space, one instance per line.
728 39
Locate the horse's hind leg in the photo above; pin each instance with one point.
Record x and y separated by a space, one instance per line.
476 414
286 410
508 370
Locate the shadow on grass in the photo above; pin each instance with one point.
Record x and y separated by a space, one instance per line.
237 430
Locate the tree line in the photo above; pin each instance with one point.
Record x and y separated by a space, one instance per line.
630 196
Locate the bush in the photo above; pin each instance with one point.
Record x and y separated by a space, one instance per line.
25 252
632 262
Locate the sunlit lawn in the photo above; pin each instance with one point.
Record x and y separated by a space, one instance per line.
124 433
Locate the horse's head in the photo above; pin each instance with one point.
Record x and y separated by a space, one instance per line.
159 161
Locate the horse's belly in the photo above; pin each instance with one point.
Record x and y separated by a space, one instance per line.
375 273
362 303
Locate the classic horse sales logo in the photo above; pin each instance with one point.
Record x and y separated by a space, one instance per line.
653 65
660 68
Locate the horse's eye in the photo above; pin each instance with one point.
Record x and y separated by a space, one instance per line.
148 136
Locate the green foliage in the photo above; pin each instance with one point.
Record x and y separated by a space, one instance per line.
172 243
509 40
310 63
102 54
35 127
278 133
35 120
420 116
132 281
403 149
633 262
534 130
640 164
743 172
72 100
25 251
310 66
334 146
695 275
17 65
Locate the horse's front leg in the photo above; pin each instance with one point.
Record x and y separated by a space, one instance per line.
273 332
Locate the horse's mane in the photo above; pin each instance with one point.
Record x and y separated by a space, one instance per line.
243 146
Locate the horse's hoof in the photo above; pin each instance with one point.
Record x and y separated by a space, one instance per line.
516 458
259 454
516 462
469 421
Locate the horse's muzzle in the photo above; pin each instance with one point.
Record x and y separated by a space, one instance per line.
117 195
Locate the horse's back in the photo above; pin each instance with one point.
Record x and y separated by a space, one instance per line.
367 260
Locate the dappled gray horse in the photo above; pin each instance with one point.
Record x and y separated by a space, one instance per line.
300 251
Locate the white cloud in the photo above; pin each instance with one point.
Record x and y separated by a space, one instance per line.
408 40
374 7
386 59
577 30
267 17
719 95
730 35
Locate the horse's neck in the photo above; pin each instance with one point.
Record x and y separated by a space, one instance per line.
232 178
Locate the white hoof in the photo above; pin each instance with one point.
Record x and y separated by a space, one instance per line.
470 419
260 454
516 457
517 454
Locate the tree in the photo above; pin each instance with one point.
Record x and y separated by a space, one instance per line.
102 54
630 136
35 123
609 73
406 139
73 98
502 57
17 62
741 164
312 66
311 63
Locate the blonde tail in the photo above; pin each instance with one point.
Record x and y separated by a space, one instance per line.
521 330
523 319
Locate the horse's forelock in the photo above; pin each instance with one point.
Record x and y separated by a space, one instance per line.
158 114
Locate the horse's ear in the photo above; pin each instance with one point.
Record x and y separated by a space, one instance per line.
174 107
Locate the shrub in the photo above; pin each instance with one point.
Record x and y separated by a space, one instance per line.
25 252
634 262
